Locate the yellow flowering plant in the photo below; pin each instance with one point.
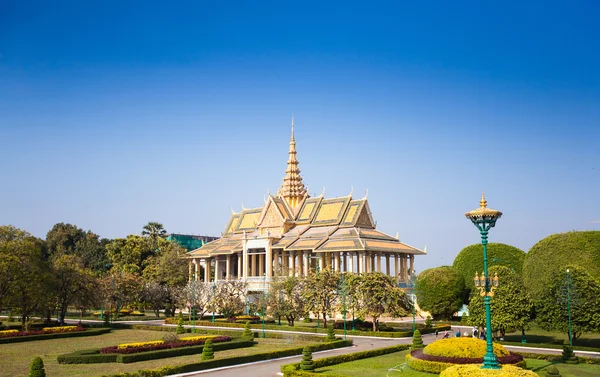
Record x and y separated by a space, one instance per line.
59 329
473 370
139 344
197 337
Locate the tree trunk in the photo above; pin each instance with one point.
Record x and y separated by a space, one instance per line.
325 320
375 323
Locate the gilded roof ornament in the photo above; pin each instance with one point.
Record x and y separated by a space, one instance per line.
292 189
483 211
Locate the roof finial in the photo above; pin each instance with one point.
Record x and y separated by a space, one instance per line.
292 126
292 189
483 202
351 191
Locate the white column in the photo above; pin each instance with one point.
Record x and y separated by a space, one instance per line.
397 265
412 263
290 263
387 264
361 262
350 265
378 262
261 264
245 261
253 265
306 262
269 260
336 261
321 261
217 272
227 267
207 270
190 267
239 266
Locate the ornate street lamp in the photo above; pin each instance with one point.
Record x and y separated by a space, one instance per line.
485 218
411 284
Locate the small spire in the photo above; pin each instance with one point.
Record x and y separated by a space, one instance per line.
483 202
292 189
293 127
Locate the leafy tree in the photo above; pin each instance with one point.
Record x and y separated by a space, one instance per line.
130 254
511 306
27 284
320 291
285 298
63 239
120 288
551 305
72 281
197 295
552 253
155 295
440 291
167 268
470 260
229 297
92 251
352 294
154 230
380 295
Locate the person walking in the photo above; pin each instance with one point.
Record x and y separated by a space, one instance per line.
436 334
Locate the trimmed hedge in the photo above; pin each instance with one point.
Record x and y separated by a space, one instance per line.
557 358
94 356
476 371
71 334
470 260
314 330
293 370
236 360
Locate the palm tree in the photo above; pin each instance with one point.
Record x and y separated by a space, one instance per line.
154 230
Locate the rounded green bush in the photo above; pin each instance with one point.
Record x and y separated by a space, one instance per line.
37 368
470 259
581 249
440 291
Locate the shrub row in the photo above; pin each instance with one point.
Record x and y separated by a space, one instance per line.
511 358
94 356
293 370
557 358
160 345
232 333
27 338
236 360
383 334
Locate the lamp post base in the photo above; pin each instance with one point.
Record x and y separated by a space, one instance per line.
490 362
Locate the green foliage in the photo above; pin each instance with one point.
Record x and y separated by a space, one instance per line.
37 368
330 333
553 253
208 352
154 230
470 260
285 298
321 292
425 365
568 356
170 338
552 306
379 294
462 347
229 298
247 333
307 362
180 329
552 371
428 322
417 342
73 283
440 291
510 304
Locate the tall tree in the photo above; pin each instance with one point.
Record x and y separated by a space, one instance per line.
130 254
511 307
440 291
155 295
73 282
197 295
13 243
71 240
229 298
63 238
380 295
579 289
154 230
120 288
321 292
285 298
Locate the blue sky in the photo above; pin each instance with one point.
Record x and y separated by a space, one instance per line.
113 114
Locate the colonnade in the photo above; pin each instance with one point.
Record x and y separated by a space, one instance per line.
299 263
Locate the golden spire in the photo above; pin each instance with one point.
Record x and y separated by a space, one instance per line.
483 202
292 189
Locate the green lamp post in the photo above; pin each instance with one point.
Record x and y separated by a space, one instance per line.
485 218
263 304
569 308
343 294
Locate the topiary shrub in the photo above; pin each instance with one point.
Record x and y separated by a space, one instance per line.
37 368
417 342
552 371
428 322
307 362
207 352
472 370
247 333
330 334
440 291
180 329
568 356
170 338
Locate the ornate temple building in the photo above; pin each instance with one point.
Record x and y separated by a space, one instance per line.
293 233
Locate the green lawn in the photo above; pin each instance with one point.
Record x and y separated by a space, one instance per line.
16 358
380 365
590 341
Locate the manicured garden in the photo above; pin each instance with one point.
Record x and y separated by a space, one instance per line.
17 357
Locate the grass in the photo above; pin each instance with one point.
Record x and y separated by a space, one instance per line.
17 357
379 366
537 337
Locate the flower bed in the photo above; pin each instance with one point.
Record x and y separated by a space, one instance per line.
445 353
128 348
45 330
476 371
